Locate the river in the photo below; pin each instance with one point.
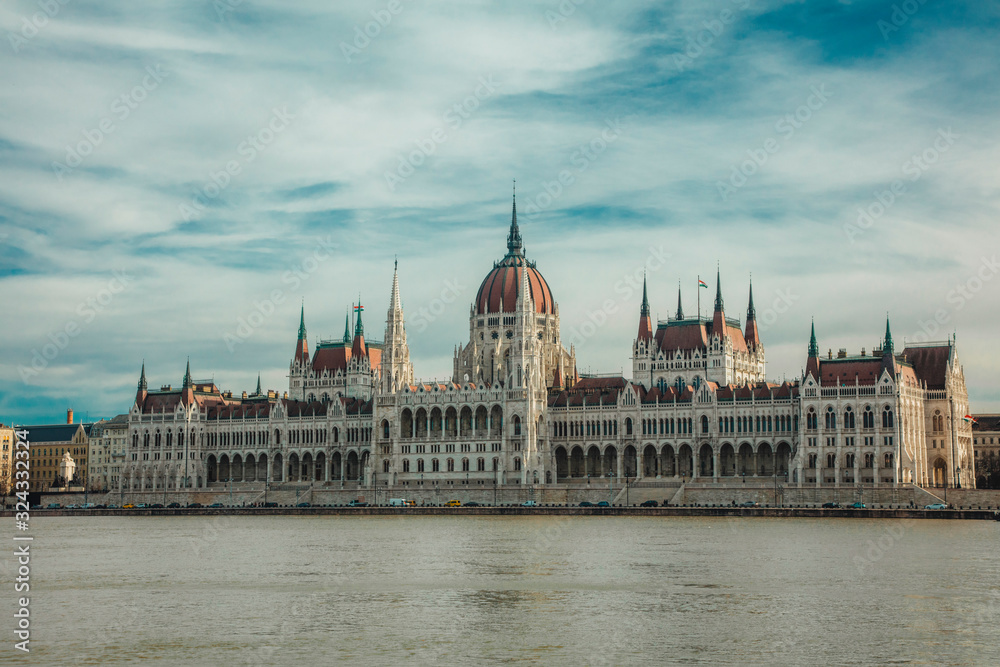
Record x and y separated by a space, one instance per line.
550 590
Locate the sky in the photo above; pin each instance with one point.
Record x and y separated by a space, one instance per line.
178 178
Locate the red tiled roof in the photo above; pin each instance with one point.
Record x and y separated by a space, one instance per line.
836 372
930 364
503 283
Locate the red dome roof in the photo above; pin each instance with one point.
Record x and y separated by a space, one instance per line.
503 283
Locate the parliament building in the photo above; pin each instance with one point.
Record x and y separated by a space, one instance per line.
698 409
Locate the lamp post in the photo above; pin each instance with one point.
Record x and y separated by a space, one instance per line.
611 489
230 488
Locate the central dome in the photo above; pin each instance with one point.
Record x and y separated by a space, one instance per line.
499 290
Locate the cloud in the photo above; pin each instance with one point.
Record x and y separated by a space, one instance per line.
696 92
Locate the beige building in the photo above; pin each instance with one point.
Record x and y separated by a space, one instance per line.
986 446
7 443
47 446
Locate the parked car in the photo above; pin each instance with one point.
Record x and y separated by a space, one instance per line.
936 506
303 505
140 506
357 503
216 505
857 506
156 506
749 503
173 505
472 503
270 504
128 506
109 506
586 503
648 503
193 505
831 505
529 503
88 506
73 507
53 506
605 503
453 503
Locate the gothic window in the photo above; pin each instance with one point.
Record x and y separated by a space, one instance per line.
704 424
628 426
509 334
831 460
849 460
517 464
848 417
888 460
435 465
420 465
830 418
868 418
451 465
493 335
481 464
406 465
465 465
811 420
887 417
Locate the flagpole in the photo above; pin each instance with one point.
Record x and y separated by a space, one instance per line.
698 292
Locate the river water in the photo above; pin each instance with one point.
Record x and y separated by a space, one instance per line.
483 590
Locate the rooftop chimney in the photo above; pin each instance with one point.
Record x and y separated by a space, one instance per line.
69 416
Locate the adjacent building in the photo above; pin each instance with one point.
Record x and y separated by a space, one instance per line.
106 453
48 445
7 443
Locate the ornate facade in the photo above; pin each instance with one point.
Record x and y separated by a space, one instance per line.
516 412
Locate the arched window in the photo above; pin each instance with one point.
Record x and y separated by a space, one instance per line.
517 464
888 460
704 424
848 417
451 465
628 426
831 460
420 465
517 425
830 418
887 417
435 465
465 465
868 418
849 460
385 466
406 465
481 464
385 429
811 420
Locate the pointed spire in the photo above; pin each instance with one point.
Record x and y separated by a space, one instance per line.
302 321
680 308
359 328
813 347
514 237
258 392
394 302
142 377
347 327
644 310
752 333
887 348
718 291
187 375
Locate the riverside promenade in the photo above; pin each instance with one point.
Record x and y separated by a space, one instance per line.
517 510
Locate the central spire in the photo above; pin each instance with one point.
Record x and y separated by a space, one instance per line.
302 321
187 375
680 309
514 237
813 347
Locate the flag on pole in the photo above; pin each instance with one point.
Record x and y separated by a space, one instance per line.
969 419
702 283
